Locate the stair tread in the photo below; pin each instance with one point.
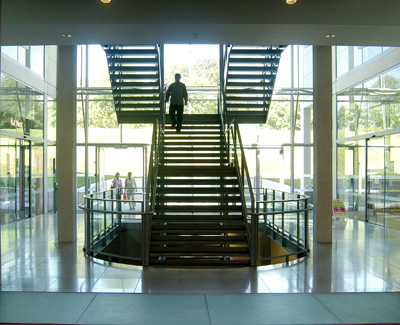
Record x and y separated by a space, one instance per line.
208 262
198 190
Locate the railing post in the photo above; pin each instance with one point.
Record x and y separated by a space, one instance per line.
306 226
254 240
283 219
298 220
88 213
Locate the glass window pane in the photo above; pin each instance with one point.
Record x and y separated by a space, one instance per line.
51 118
103 125
23 55
37 59
11 51
98 67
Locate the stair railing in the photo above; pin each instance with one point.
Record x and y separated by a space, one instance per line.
160 55
151 187
237 158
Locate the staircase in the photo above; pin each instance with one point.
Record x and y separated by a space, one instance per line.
136 82
199 219
250 73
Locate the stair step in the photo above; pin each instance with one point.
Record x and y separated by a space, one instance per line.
187 137
247 99
194 127
203 249
193 198
118 92
197 181
198 190
131 76
249 91
208 262
194 232
154 84
254 84
189 143
133 99
252 60
258 76
191 154
199 208
196 171
194 161
198 218
199 254
151 70
201 226
261 69
131 51
170 132
197 239
125 60
191 148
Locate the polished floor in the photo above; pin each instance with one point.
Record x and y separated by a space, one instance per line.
361 268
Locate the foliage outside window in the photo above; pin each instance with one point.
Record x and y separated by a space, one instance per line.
21 108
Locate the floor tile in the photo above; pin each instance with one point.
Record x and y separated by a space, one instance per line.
43 307
147 310
268 309
363 307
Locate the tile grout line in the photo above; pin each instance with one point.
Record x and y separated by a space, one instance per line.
326 307
208 311
87 307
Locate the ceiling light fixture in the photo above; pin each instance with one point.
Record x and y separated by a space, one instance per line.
330 35
67 35
291 2
105 1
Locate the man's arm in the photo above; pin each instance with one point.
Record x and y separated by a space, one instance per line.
185 94
168 94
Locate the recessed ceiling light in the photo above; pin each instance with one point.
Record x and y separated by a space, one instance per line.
330 35
67 35
291 2
105 1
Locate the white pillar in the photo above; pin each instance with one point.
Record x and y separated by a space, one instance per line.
66 142
322 112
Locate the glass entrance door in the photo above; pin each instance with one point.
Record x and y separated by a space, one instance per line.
15 183
110 160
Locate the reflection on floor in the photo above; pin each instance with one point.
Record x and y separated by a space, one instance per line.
362 258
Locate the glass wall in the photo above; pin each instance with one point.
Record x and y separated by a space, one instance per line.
32 57
351 57
21 108
368 160
24 191
279 152
104 146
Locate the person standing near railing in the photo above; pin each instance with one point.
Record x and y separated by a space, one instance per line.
117 185
130 187
116 182
179 98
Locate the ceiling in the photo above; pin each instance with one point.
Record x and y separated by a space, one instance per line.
244 22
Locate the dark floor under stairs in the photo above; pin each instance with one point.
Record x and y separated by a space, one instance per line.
199 219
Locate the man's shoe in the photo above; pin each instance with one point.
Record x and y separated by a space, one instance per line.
173 126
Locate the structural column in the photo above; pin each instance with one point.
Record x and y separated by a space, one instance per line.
322 113
66 142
